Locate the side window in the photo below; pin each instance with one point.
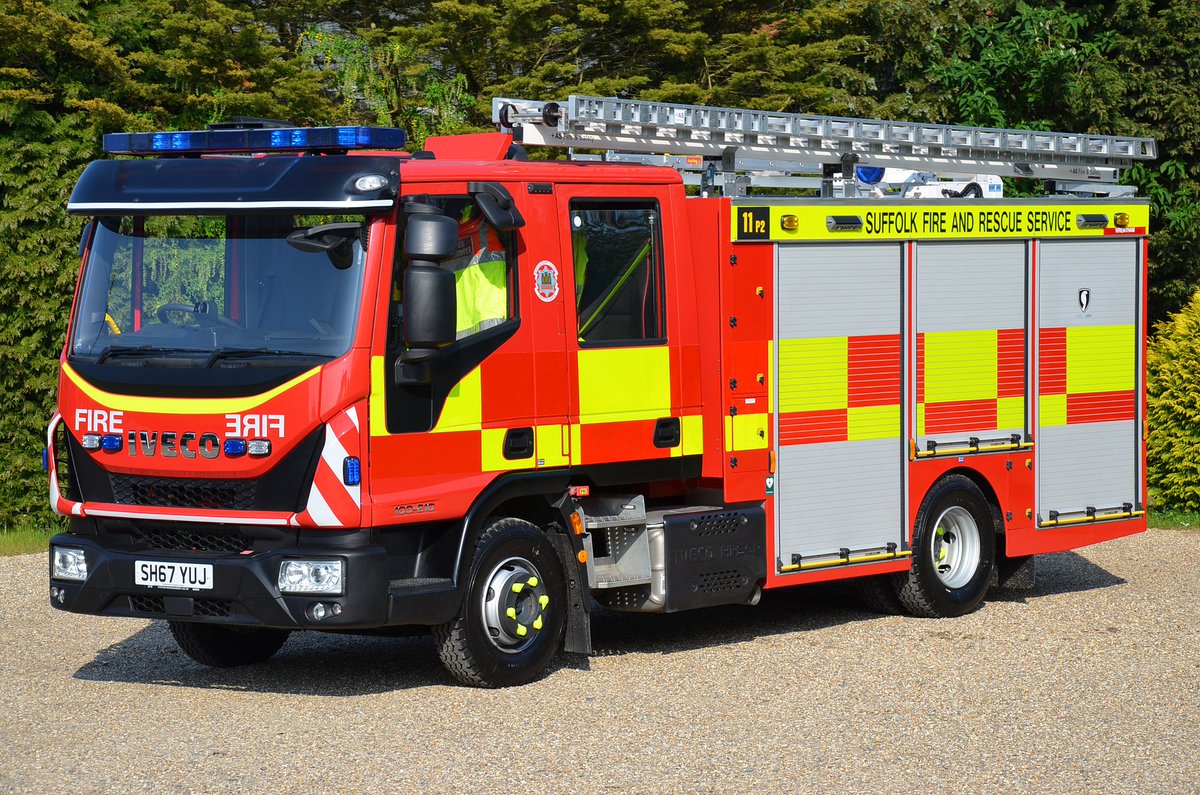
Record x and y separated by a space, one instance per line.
482 264
617 251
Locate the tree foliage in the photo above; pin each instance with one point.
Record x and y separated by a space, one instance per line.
71 70
1173 410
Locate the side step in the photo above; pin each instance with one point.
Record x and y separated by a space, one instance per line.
673 559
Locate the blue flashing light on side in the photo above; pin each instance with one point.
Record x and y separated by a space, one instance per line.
351 471
235 447
281 139
45 459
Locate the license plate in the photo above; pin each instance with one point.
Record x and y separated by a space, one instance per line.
177 576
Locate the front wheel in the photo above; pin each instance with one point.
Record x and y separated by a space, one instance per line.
954 550
511 621
226 646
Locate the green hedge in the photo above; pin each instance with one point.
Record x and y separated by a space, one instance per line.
1173 410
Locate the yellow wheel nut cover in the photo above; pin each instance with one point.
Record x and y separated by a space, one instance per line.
543 600
511 613
537 623
532 582
518 587
521 630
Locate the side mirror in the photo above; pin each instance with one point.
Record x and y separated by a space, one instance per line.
497 205
429 309
429 235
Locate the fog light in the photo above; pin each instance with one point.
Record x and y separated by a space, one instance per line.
317 611
90 441
53 591
310 576
259 447
69 564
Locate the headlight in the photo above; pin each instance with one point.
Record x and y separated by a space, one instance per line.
69 564
310 576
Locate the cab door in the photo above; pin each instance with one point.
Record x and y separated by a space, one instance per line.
621 348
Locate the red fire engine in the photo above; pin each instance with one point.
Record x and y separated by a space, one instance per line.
314 383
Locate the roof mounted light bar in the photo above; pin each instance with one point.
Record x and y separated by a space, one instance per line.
242 141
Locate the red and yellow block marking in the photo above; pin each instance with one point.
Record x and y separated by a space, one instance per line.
1087 374
839 389
970 380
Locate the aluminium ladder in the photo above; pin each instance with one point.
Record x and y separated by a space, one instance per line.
772 145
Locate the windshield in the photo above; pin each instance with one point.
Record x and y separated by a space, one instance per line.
219 291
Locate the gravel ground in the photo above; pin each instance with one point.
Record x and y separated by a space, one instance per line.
1091 683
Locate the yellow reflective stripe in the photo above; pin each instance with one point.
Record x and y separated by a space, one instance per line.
378 405
920 419
1100 359
623 384
813 374
746 432
165 405
576 445
908 220
1052 410
769 375
872 422
1010 412
960 365
491 453
692 430
463 410
549 449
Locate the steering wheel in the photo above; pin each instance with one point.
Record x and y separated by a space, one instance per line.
196 310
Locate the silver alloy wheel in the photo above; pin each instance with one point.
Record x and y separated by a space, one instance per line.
514 604
955 549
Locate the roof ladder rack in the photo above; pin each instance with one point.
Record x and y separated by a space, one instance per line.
695 137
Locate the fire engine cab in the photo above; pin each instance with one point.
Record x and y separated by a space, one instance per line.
312 382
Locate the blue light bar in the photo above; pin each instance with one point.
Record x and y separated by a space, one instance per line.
110 442
277 139
235 447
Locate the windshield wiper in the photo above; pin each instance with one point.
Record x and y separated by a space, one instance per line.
139 350
258 353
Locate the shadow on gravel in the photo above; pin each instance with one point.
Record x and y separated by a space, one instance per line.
1062 572
315 663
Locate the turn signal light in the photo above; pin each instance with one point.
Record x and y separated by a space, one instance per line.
790 223
577 523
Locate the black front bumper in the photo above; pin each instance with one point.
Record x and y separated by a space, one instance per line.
245 591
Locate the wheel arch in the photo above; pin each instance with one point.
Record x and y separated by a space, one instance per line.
989 495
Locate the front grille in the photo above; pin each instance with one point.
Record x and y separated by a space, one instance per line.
147 604
207 608
172 538
231 495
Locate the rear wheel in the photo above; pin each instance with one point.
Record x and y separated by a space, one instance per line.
223 646
954 550
511 622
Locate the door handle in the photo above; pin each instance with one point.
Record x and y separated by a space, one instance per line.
666 432
518 443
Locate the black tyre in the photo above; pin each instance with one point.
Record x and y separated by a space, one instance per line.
511 622
878 593
223 646
954 550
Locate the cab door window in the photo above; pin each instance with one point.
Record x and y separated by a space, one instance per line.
617 251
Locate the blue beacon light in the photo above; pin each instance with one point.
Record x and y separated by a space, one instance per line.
245 141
